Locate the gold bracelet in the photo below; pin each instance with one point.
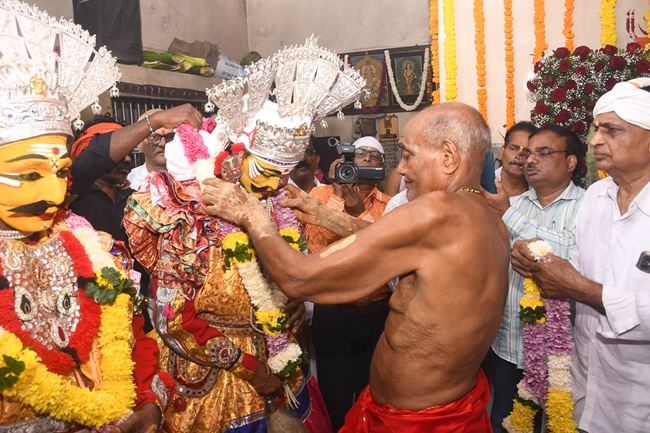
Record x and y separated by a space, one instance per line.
268 374
153 133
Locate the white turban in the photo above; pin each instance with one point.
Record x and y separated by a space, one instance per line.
369 142
629 101
177 162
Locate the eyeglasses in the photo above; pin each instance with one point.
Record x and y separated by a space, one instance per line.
310 152
540 153
374 154
154 139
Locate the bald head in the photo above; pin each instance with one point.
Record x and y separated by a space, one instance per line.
460 124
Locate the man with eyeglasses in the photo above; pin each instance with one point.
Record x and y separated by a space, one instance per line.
153 148
547 211
345 335
608 273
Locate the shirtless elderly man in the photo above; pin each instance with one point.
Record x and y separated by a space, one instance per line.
451 254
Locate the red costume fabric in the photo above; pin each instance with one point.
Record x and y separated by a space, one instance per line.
468 414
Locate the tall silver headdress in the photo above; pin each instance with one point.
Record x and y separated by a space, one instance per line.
311 83
49 72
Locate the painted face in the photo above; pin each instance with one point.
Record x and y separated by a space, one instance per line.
33 172
259 177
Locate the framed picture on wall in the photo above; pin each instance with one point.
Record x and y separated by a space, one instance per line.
407 66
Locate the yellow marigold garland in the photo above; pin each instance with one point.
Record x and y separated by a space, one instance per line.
479 41
52 394
540 30
435 51
522 418
451 66
559 411
568 24
510 64
608 34
647 21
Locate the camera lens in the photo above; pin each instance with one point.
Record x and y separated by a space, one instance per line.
346 172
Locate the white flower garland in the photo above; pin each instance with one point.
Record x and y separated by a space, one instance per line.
423 83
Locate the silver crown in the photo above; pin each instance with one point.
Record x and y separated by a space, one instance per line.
280 145
49 72
311 83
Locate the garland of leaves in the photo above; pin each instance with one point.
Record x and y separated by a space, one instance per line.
608 34
510 64
451 64
479 41
435 51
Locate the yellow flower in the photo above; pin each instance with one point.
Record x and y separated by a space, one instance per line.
231 241
451 65
531 303
101 281
608 34
435 52
522 417
272 321
559 410
530 287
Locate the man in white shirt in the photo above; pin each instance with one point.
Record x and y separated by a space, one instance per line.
153 148
609 270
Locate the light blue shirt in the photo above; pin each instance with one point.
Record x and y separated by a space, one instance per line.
526 219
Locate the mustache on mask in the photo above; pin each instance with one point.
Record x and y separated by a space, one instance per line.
41 206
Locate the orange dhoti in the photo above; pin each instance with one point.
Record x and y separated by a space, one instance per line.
468 414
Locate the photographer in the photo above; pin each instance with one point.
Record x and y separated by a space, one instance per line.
345 335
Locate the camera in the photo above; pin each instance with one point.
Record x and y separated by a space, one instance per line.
348 172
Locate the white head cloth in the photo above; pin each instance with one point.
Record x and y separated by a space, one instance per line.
629 101
369 142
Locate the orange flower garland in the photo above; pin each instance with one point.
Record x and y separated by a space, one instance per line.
510 64
568 24
451 66
435 52
479 41
608 34
540 30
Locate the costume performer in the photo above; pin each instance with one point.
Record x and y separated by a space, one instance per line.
219 317
73 355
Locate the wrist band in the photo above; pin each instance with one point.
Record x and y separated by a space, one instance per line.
153 133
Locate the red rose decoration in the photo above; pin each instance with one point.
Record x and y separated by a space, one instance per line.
581 70
642 67
570 84
610 50
562 52
541 108
564 66
532 86
599 66
575 104
562 116
590 104
610 83
549 82
617 63
588 89
582 52
633 47
579 127
538 67
558 95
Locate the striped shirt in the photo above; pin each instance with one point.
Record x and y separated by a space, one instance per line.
526 219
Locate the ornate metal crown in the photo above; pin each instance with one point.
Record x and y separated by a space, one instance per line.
49 72
311 83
